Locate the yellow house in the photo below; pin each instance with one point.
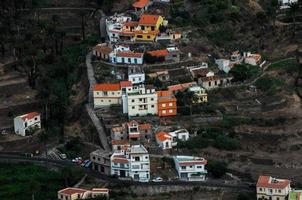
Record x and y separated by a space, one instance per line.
148 27
200 93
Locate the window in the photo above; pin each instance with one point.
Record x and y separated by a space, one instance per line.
152 28
199 167
279 191
93 158
152 106
143 27
148 37
170 104
36 118
113 35
260 189
163 105
102 100
99 159
123 60
170 111
105 93
109 100
191 166
112 93
139 36
97 93
209 84
129 60
132 100
152 99
135 60
146 157
183 167
133 107
164 112
136 158
139 78
25 124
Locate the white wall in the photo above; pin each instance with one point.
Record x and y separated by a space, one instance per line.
136 78
112 97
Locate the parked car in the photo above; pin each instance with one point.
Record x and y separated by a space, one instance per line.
157 179
76 160
84 163
88 164
63 156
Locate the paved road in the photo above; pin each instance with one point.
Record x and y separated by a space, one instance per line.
59 163
89 106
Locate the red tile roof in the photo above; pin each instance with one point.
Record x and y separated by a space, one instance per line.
159 53
140 3
131 23
144 127
120 142
70 191
129 54
103 49
162 136
125 84
29 116
269 182
148 19
199 162
107 87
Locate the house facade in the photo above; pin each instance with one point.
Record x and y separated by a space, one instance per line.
78 193
127 57
136 74
201 95
269 188
119 132
106 94
214 81
133 162
101 161
164 140
102 51
190 168
140 102
167 104
148 27
23 124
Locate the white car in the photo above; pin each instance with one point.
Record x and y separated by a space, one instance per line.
157 179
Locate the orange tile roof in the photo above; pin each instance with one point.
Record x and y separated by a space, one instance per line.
148 19
120 142
107 87
29 116
131 23
182 86
158 53
70 191
267 181
125 84
162 136
140 3
129 54
103 49
144 127
165 96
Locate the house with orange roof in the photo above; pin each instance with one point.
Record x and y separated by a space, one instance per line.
251 58
145 131
272 188
25 124
79 194
182 86
106 94
164 140
148 27
114 27
190 168
141 6
166 104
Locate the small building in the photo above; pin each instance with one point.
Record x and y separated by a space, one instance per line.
118 132
190 168
179 87
223 65
252 59
79 194
287 2
106 94
272 188
164 140
163 76
214 81
114 27
167 104
200 93
26 123
101 161
145 131
201 72
126 57
133 131
141 6
181 135
168 54
118 145
148 27
136 74
102 51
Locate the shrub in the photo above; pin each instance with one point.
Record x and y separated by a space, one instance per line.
269 84
216 168
244 71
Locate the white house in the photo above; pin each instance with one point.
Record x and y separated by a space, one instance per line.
223 65
251 58
126 57
136 74
133 162
26 122
107 94
79 193
140 102
164 140
181 134
272 188
190 168
287 2
114 26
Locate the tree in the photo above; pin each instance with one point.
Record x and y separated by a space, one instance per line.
292 12
217 168
66 174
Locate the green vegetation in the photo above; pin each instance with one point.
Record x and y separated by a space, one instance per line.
23 181
269 84
72 148
211 137
216 168
289 65
244 71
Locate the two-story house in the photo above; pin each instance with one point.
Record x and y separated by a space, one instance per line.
23 124
167 104
106 94
119 132
269 188
101 161
133 130
148 27
190 168
168 140
200 94
136 74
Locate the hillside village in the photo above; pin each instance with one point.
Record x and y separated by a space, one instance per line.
150 110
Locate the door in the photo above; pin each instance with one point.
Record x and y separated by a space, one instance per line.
122 173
